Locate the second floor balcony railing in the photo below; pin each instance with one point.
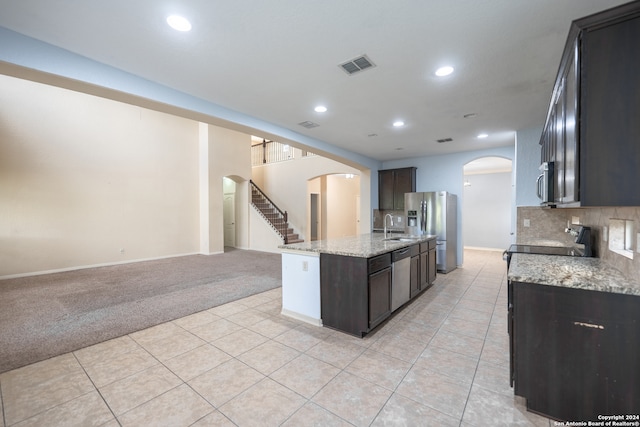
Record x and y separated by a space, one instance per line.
273 151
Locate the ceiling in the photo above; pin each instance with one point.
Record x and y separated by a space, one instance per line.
277 60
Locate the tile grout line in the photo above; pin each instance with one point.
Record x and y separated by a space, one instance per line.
4 418
96 388
484 341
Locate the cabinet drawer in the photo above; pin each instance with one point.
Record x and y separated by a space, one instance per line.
379 262
415 250
428 245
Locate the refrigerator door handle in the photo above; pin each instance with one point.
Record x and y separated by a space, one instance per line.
423 217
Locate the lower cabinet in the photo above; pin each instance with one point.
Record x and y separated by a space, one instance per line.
427 263
379 296
355 293
575 352
416 278
431 256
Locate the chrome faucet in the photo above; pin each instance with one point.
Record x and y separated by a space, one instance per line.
385 223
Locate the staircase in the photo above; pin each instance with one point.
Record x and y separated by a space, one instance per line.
274 215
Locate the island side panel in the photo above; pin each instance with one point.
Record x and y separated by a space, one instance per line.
344 296
301 286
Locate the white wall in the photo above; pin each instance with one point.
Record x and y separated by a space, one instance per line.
229 156
262 236
82 178
20 55
486 219
341 196
286 184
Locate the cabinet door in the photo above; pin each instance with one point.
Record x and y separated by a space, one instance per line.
609 111
379 296
386 189
570 179
405 182
424 270
575 351
415 276
431 269
559 120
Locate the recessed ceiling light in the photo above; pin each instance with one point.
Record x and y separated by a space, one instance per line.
398 123
179 23
320 109
444 71
483 135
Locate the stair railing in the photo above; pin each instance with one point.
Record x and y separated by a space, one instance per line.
283 214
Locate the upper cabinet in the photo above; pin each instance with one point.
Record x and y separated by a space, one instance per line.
592 131
392 184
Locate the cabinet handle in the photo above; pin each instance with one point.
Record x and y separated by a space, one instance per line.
539 188
589 325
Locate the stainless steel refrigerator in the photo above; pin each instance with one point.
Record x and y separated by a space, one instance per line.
435 213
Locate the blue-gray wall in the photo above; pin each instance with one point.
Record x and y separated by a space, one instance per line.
528 161
446 173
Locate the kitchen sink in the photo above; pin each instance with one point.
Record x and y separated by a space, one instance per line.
401 239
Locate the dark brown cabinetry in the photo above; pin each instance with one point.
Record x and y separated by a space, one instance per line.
426 266
379 290
574 351
392 184
592 131
416 279
355 293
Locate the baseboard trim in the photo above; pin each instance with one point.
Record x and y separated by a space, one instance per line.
106 264
301 317
478 248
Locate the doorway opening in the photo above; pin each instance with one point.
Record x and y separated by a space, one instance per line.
229 212
333 206
487 209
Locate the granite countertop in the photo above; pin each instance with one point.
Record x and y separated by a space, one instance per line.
361 245
570 272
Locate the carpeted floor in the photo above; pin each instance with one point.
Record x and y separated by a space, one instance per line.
48 315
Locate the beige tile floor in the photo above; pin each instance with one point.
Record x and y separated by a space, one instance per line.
442 361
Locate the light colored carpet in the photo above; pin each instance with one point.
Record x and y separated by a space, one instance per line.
48 315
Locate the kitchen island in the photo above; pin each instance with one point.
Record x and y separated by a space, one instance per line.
347 283
574 327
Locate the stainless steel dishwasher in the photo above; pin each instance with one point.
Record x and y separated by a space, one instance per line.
401 277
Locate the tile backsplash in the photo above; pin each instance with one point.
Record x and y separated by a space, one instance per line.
547 226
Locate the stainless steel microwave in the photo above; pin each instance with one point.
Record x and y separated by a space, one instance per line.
545 184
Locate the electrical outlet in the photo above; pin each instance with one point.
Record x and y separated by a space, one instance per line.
121 250
605 233
305 265
575 220
527 222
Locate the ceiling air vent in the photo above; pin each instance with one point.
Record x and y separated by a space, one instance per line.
308 124
357 64
440 141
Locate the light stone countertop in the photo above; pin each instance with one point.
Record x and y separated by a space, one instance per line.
361 245
570 272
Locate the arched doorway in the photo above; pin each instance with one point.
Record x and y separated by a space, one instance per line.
487 209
